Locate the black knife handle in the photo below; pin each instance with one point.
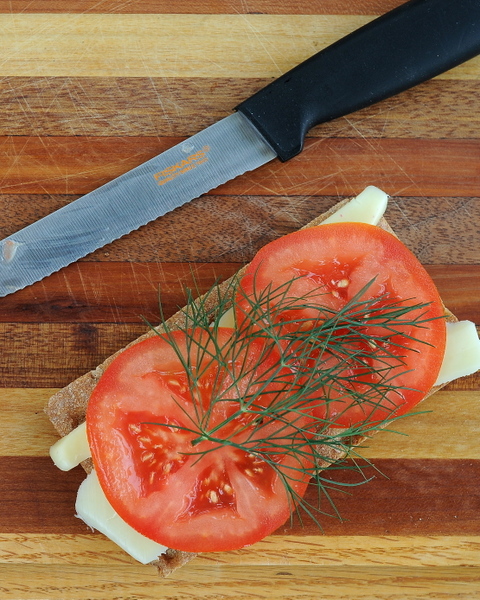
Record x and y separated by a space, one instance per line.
406 46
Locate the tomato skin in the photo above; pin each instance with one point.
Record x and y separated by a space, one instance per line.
137 423
328 266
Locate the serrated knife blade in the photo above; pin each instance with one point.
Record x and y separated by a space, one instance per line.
204 161
408 45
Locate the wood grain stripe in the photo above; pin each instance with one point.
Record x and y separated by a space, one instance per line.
114 292
61 353
290 550
235 227
68 350
263 582
355 551
135 45
154 106
415 167
27 431
452 415
412 497
290 7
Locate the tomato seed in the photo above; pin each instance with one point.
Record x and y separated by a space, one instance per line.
212 496
343 283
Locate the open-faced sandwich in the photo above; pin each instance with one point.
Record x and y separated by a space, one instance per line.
204 434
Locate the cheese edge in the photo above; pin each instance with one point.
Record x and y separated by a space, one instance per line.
94 509
462 352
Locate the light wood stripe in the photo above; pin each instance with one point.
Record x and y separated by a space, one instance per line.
453 416
415 551
108 45
28 431
260 582
305 7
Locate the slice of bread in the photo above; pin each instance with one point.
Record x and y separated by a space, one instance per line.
67 408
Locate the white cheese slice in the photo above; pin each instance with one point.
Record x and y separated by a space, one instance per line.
70 450
227 319
368 207
93 507
462 352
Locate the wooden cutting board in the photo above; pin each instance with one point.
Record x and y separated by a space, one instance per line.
90 89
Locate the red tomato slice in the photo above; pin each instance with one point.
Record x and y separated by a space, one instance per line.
302 280
142 425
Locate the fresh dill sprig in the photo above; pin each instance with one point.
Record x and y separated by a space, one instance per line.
290 406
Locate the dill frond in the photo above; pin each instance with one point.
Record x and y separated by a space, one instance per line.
290 406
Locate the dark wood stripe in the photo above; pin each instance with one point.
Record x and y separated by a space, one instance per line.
140 106
216 229
408 497
112 292
36 497
459 287
412 497
287 7
420 167
123 292
414 167
54 354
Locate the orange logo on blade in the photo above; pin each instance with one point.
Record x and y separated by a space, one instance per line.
187 164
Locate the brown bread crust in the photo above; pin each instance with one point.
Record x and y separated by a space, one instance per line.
67 408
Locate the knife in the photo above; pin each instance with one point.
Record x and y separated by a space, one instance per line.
406 46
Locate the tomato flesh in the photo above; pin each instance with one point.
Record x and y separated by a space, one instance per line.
326 267
142 425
